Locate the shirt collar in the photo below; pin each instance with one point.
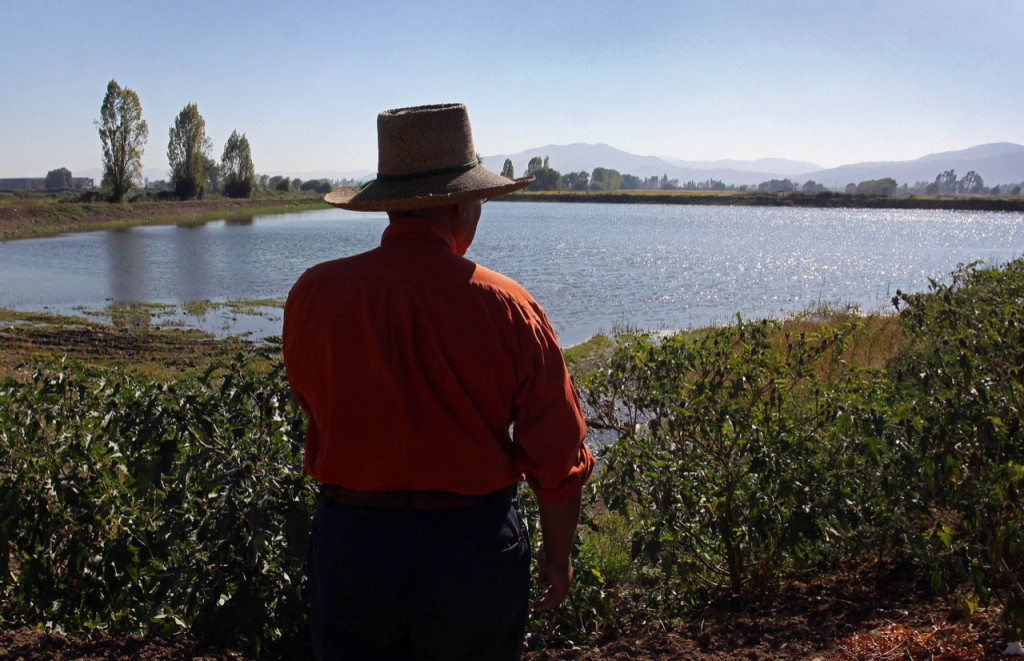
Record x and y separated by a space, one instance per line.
413 226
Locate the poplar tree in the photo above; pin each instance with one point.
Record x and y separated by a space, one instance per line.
236 166
188 153
123 134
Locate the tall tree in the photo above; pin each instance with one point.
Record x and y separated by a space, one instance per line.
59 178
605 179
188 153
547 179
787 186
236 166
886 186
971 183
213 176
507 170
123 134
576 180
947 181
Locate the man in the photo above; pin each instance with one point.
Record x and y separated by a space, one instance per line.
433 386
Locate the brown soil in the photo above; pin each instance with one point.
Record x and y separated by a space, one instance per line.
857 616
148 351
31 645
862 615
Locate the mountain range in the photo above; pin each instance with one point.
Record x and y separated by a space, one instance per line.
997 163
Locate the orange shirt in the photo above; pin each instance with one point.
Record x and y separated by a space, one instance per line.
421 370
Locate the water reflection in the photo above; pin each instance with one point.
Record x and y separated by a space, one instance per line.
193 261
126 274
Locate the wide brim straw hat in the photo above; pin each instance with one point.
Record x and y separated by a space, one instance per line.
425 158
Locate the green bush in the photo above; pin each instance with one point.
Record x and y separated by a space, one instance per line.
727 463
135 506
957 430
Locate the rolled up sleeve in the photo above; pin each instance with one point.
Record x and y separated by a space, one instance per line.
549 431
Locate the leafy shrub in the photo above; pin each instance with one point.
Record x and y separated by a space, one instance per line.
136 506
727 463
592 607
91 196
958 434
238 188
317 185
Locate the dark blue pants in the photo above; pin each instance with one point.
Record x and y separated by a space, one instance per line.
402 584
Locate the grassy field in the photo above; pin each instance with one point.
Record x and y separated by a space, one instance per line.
126 341
37 214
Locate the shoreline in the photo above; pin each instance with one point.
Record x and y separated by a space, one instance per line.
825 200
37 216
41 216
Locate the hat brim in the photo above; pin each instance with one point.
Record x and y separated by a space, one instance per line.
425 192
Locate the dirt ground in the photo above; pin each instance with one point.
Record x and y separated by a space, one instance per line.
854 616
149 353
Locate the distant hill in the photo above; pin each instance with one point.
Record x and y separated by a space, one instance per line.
776 165
997 163
585 157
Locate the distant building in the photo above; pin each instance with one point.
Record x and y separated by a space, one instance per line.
33 183
24 183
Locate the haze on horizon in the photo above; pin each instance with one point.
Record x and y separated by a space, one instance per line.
827 83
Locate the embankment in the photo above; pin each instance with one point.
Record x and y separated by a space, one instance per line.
823 200
42 215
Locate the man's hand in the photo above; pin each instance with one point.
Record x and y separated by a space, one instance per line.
556 576
554 560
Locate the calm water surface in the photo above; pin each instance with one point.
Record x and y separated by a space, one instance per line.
593 267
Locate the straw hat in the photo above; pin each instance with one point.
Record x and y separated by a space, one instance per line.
425 158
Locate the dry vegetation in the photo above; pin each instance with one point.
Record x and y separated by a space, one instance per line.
33 215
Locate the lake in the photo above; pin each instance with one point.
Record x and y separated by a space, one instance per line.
594 267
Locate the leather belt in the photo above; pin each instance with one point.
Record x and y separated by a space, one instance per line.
416 500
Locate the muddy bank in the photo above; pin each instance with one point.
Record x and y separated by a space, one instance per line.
34 216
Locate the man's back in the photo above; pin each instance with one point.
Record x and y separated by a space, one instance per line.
414 362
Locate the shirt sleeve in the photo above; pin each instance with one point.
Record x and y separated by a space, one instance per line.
548 428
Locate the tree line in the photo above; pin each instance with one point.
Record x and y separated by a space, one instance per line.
607 179
193 170
123 133
946 183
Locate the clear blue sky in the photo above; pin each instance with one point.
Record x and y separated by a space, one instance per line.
828 82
